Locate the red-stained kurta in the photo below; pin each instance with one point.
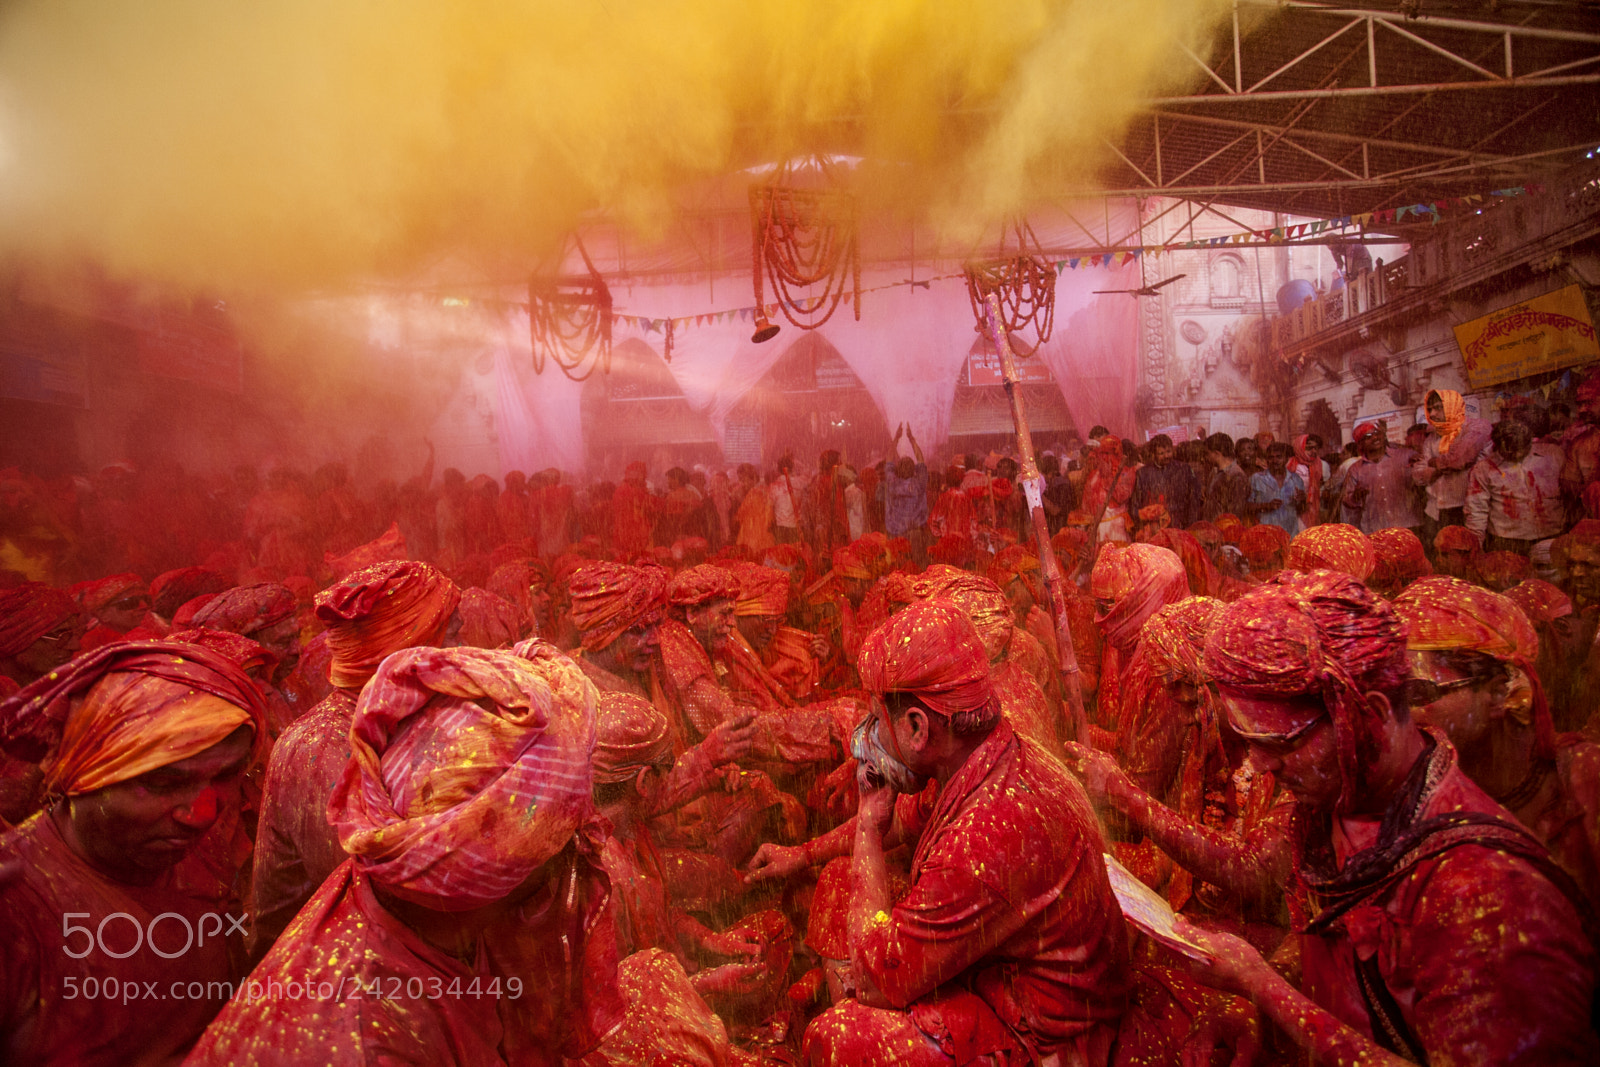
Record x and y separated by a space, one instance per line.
1009 898
633 514
58 1010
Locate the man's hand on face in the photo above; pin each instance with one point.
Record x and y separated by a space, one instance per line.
876 810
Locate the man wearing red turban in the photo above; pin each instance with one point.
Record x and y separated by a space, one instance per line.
1477 651
1008 939
466 809
1398 560
143 747
1428 921
1265 548
40 629
1455 548
265 613
1333 546
486 620
120 606
1129 584
369 615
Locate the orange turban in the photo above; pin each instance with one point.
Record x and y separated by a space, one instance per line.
1540 601
468 770
702 585
1015 561
1265 545
608 599
1156 513
1334 546
848 562
931 651
235 648
762 590
1455 417
1174 638
631 736
1398 559
94 595
28 612
488 621
1444 614
126 709
1501 570
1231 526
380 610
1455 539
247 608
1139 579
1320 634
979 598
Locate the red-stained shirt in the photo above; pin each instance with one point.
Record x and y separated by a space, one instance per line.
1009 895
1485 957
78 1012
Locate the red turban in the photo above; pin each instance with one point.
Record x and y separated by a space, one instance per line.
608 599
1455 539
247 608
931 651
95 595
1015 561
511 581
953 549
1265 545
1540 601
1156 513
702 585
1398 558
235 648
762 590
1174 638
488 621
380 610
1319 634
170 591
1502 570
1231 526
1139 579
848 562
390 545
28 612
631 736
979 598
1363 431
1071 539
126 709
784 557
1333 546
468 770
1444 614
1208 534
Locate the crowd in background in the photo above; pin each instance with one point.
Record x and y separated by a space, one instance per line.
787 766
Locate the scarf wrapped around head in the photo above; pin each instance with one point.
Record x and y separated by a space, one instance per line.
631 736
247 608
174 589
932 651
1455 417
96 595
1140 579
125 709
1208 534
979 598
1502 570
1174 639
1265 545
1156 514
1398 559
1232 527
468 770
763 591
1540 601
849 563
488 621
380 610
1444 614
235 648
1319 634
28 612
702 585
1015 562
1334 546
1455 539
609 599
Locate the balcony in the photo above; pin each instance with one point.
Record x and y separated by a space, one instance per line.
1450 256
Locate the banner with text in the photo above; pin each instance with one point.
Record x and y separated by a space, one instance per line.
1543 334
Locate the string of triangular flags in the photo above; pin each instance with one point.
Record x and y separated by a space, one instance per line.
1432 210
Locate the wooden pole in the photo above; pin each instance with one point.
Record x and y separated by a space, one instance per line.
1033 488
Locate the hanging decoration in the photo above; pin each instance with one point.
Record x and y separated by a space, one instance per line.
1022 280
569 319
803 238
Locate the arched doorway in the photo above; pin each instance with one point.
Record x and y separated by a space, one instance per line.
980 415
810 401
639 412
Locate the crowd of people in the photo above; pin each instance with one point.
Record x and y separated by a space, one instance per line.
786 767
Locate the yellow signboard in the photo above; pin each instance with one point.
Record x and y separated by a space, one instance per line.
1546 333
